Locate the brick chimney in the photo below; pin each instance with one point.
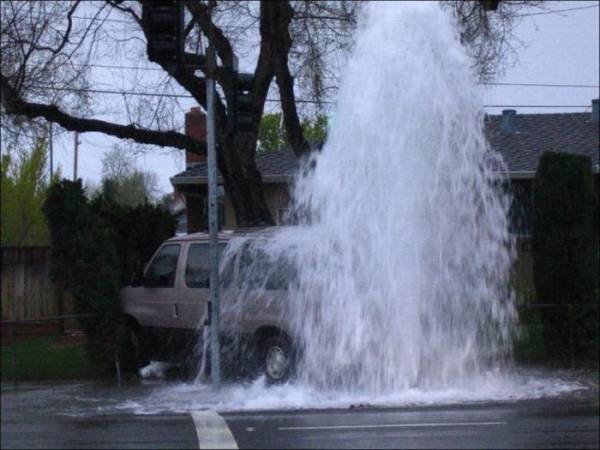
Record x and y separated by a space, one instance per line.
195 126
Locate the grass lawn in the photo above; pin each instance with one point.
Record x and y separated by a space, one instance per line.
46 358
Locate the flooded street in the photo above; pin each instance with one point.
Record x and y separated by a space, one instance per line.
558 409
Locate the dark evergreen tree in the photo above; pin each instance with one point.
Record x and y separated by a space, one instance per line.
84 261
565 241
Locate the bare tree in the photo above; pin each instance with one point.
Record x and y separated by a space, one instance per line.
49 51
488 36
124 182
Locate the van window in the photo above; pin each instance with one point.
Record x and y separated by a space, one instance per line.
161 272
197 268
257 271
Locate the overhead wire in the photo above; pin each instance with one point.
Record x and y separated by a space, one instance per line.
491 83
272 100
557 11
539 13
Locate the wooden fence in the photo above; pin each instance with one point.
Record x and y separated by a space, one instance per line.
27 291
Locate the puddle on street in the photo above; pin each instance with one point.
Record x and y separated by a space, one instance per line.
162 395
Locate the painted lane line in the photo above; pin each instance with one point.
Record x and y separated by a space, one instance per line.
212 430
394 425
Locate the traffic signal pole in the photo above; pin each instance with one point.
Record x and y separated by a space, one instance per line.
213 225
164 22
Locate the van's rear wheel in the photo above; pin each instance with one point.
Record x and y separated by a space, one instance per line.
277 359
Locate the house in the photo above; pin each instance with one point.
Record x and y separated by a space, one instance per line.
520 138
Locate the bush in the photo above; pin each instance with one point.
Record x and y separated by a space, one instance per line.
136 232
85 262
565 259
96 246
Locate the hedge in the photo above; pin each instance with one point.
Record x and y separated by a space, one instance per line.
566 258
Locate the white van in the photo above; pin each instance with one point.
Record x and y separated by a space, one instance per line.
166 306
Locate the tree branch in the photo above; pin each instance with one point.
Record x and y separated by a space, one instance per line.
222 45
117 4
14 104
275 19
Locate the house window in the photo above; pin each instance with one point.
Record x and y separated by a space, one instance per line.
161 272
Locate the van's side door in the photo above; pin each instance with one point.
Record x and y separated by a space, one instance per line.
160 291
195 294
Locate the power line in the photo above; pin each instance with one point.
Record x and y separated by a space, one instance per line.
270 100
492 83
543 85
541 13
537 106
556 11
93 19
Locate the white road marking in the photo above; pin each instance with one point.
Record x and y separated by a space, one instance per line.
212 430
394 425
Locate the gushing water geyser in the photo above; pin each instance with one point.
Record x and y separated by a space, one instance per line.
403 250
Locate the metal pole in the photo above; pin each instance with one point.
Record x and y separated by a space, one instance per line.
213 226
118 368
51 149
571 343
75 156
13 345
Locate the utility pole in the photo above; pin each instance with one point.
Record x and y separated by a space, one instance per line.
51 149
75 155
213 220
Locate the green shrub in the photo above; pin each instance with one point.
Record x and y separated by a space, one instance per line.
565 259
136 232
96 246
85 262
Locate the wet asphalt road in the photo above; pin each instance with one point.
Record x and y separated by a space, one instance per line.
569 421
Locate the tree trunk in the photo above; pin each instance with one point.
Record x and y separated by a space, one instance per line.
243 182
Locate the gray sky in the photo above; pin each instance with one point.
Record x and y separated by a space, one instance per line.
557 48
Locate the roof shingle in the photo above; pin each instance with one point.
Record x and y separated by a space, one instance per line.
536 133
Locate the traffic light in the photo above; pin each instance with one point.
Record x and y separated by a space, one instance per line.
240 105
489 5
163 21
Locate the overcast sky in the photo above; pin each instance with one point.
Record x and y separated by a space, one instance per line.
558 48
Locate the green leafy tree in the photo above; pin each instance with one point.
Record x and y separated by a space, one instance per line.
565 241
315 130
22 195
272 134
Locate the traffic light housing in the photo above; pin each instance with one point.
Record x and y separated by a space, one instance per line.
240 103
489 5
163 21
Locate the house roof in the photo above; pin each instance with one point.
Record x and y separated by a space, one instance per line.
536 133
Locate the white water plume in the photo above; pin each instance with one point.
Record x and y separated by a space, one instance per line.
403 251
